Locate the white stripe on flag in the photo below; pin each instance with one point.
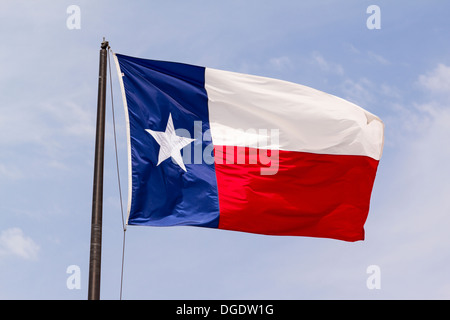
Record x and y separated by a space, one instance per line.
244 108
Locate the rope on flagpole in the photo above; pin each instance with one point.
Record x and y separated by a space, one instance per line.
118 174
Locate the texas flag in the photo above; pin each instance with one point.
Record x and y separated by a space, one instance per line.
219 149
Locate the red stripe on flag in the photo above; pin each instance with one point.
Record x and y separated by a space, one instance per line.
315 195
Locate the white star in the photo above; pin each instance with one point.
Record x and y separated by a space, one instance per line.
170 144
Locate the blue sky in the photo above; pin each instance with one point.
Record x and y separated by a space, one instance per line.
48 98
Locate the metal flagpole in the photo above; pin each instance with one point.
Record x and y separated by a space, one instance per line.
97 197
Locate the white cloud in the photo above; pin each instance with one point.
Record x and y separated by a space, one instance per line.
428 156
412 120
436 81
10 171
326 65
71 118
360 92
281 63
14 242
378 58
418 205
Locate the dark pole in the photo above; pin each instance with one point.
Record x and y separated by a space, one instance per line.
97 197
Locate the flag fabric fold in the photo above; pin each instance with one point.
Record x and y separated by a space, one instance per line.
220 149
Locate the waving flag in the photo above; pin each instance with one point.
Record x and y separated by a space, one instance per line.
218 149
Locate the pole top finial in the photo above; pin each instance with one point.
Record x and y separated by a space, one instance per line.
105 44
